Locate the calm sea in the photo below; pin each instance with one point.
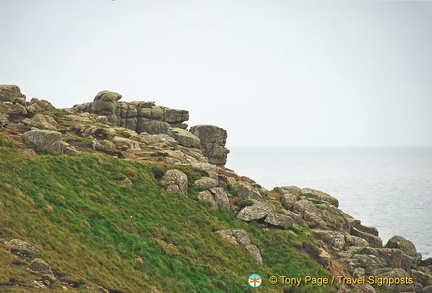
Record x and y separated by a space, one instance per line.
388 187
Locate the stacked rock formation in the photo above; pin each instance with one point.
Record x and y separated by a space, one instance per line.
152 119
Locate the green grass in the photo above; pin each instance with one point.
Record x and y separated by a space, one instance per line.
98 228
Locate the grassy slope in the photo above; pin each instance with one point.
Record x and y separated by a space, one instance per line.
98 228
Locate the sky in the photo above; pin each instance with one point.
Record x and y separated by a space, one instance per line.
272 73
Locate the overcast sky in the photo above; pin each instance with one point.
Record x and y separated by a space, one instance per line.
272 73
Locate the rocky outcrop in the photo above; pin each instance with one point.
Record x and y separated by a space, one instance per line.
213 140
44 140
185 138
11 93
257 211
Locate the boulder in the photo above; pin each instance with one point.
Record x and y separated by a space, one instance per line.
40 266
213 140
177 181
44 140
245 190
319 195
257 211
394 258
405 245
240 237
21 245
207 196
185 138
105 103
126 110
206 182
288 196
126 182
10 93
152 126
220 197
279 220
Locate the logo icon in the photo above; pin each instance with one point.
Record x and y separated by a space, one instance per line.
255 280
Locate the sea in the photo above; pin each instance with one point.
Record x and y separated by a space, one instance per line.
389 188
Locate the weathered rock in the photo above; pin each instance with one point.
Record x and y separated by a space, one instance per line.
4 120
41 121
207 196
228 234
21 245
213 140
335 239
152 126
245 190
126 182
176 180
206 182
105 102
255 253
13 110
126 144
392 274
319 195
421 277
85 107
220 197
44 140
39 106
367 229
257 211
287 196
369 262
40 266
374 241
10 93
279 220
355 241
126 110
185 138
242 237
393 257
427 289
405 245
102 119
176 116
153 113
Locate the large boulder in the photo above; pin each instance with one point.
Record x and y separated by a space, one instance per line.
155 113
245 190
404 244
185 138
176 181
11 93
279 220
44 140
105 102
220 197
213 140
257 211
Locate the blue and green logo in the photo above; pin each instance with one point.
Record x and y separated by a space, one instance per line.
255 280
